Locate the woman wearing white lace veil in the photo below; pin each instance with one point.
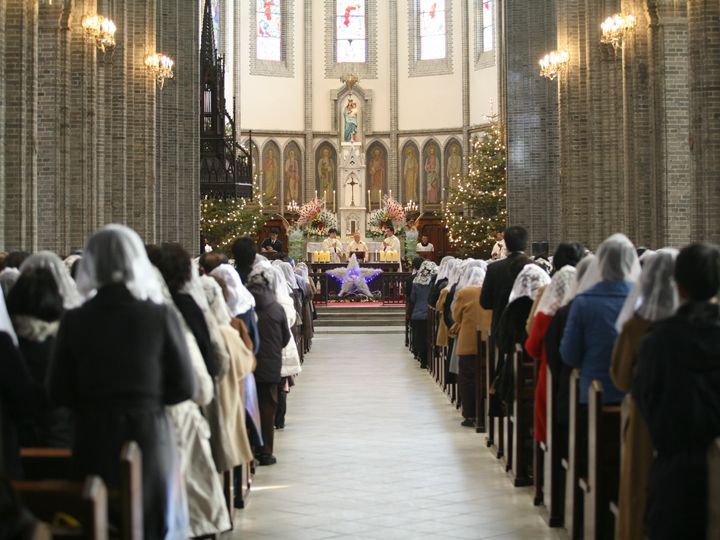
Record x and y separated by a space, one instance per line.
239 300
590 333
653 298
468 317
66 285
119 360
422 283
442 290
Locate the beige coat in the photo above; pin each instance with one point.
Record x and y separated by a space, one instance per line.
441 340
637 446
242 363
470 317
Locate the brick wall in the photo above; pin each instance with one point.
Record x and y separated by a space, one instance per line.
88 139
638 132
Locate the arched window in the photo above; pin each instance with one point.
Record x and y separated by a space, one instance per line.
350 31
269 30
433 29
488 26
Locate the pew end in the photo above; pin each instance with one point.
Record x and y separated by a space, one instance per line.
46 463
713 528
86 501
131 489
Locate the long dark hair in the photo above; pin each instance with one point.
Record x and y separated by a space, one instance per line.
36 294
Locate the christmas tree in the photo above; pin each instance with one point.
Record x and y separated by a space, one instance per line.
476 208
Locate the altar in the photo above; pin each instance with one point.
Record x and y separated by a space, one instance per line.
374 250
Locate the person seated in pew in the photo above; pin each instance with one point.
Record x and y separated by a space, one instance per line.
418 318
654 298
511 328
119 359
440 280
36 306
210 261
244 252
442 337
677 391
416 264
19 396
469 317
535 343
590 333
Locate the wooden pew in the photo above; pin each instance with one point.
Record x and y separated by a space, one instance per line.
495 428
601 483
521 417
538 455
553 485
481 384
86 501
713 528
573 495
46 463
55 464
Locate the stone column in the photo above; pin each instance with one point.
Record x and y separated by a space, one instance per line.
309 176
530 113
703 18
394 154
20 125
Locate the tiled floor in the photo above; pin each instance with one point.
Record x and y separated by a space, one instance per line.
373 450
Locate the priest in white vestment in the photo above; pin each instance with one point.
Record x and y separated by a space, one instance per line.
334 246
357 246
392 242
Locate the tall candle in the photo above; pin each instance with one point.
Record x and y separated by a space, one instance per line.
316 193
391 193
324 196
333 200
369 203
379 198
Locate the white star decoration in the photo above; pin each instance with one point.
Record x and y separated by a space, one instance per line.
354 279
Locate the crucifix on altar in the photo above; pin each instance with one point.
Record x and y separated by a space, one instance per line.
351 112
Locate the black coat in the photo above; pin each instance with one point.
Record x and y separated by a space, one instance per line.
435 291
50 426
498 284
195 320
511 331
118 362
559 369
274 334
677 391
19 398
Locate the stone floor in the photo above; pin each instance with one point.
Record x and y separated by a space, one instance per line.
373 450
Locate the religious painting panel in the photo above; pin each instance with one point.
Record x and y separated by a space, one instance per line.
292 173
325 171
255 157
271 174
453 165
350 116
431 171
376 172
410 172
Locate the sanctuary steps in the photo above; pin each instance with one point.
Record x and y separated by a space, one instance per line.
371 319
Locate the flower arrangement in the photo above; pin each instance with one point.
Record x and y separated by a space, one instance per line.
392 211
315 219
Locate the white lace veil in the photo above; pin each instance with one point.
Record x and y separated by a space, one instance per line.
654 296
528 281
287 272
581 271
455 271
239 298
115 254
8 277
444 267
552 298
617 259
474 270
49 261
425 274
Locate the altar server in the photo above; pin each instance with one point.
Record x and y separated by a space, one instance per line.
334 246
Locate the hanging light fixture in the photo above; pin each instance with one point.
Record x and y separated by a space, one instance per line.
102 30
160 66
616 28
554 63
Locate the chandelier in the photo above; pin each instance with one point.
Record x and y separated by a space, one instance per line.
554 63
293 207
160 66
410 207
615 28
102 30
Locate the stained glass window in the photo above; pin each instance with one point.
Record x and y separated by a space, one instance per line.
269 30
433 44
350 31
488 28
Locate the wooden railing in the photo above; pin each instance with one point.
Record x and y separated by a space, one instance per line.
391 286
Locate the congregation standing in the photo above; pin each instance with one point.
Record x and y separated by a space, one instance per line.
645 324
190 359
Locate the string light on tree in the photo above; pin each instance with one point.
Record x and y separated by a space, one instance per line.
476 208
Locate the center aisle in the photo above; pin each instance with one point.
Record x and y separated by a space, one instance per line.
373 450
